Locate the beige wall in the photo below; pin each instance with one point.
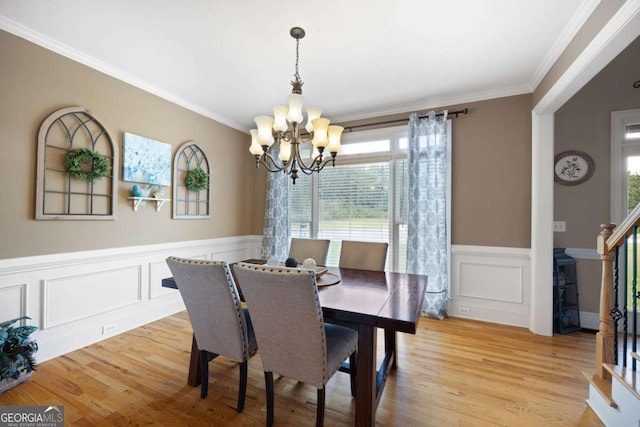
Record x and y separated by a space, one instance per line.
589 274
491 141
584 123
491 162
35 82
491 172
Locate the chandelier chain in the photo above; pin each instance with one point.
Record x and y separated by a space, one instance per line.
297 74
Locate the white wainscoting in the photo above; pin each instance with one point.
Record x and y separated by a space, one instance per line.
13 301
492 284
76 299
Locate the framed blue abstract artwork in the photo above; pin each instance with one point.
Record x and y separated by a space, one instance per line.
146 160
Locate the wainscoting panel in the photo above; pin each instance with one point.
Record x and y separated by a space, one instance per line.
68 299
491 284
77 299
158 271
13 301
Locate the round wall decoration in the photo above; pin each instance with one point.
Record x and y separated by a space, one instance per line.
197 180
86 164
573 167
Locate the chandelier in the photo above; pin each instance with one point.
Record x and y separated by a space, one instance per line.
283 129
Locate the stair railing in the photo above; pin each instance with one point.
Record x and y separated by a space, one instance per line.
613 243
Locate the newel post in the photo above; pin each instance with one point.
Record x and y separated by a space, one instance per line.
605 335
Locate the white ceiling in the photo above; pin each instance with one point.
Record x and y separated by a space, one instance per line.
233 60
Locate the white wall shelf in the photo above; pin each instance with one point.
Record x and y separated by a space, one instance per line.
136 201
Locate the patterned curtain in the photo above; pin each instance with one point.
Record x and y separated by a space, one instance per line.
427 242
276 231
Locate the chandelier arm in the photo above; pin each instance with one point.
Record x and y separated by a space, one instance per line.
318 166
266 165
269 162
327 160
307 169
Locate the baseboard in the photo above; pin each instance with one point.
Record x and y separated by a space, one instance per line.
589 320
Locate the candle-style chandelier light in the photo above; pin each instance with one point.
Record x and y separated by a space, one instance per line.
284 129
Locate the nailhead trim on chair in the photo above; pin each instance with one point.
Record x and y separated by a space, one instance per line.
271 269
230 283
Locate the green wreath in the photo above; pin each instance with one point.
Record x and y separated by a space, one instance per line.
197 180
86 164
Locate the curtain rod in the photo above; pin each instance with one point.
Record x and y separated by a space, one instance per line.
388 122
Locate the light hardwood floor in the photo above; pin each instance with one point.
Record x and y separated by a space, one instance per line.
454 372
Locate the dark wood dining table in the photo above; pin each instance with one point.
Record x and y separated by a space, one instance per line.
366 300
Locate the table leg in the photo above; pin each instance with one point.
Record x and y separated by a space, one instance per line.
366 377
390 345
195 365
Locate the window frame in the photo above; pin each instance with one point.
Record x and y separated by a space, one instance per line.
395 153
620 150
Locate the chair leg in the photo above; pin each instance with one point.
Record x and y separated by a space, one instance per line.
320 410
353 371
242 391
204 385
268 381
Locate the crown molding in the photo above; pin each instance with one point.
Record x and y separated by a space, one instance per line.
432 102
577 21
91 62
615 36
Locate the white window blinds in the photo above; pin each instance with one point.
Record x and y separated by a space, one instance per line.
300 208
364 199
354 203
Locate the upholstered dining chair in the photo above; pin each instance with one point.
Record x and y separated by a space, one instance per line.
293 338
370 256
309 248
221 326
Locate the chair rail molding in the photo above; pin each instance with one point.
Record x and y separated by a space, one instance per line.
583 253
80 298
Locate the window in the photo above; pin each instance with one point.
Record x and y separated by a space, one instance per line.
632 132
625 163
362 198
625 172
633 182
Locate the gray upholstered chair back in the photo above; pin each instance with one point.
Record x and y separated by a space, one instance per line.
309 248
370 256
213 304
287 320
